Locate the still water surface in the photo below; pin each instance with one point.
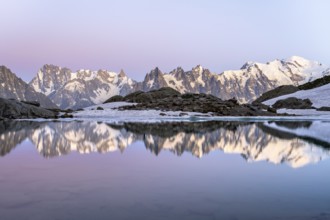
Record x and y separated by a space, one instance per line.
205 170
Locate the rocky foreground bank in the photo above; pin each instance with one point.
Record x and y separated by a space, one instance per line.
168 99
13 109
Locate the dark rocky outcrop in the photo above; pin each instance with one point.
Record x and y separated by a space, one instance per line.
168 99
293 103
146 97
279 91
316 83
323 108
116 98
13 109
143 97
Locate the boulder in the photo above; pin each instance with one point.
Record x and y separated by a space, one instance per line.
323 108
13 109
293 103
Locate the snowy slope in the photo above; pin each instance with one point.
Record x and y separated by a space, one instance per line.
319 96
110 114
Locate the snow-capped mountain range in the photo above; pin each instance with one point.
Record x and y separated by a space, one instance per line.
68 89
246 84
83 88
79 89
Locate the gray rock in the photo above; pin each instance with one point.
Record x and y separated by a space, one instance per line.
293 103
13 109
323 108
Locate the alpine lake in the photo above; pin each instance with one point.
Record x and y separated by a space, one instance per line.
242 169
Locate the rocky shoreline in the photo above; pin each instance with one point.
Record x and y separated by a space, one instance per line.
168 99
14 109
165 100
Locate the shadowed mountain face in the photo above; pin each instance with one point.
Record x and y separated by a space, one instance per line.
253 141
12 87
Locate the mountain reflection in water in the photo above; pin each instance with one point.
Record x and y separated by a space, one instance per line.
254 141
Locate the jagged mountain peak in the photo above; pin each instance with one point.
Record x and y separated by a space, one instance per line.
153 80
122 73
178 69
53 69
50 66
7 74
247 65
14 87
3 67
154 74
156 70
199 69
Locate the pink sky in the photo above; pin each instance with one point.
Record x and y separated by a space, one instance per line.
140 35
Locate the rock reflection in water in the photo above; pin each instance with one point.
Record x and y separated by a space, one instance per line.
254 141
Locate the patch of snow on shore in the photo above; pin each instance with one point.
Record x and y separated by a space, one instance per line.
111 114
319 96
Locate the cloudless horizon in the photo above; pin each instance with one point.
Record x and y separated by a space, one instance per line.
137 36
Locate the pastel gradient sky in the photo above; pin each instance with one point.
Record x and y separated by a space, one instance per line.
140 35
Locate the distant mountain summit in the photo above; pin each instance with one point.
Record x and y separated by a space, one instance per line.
12 87
85 87
82 88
